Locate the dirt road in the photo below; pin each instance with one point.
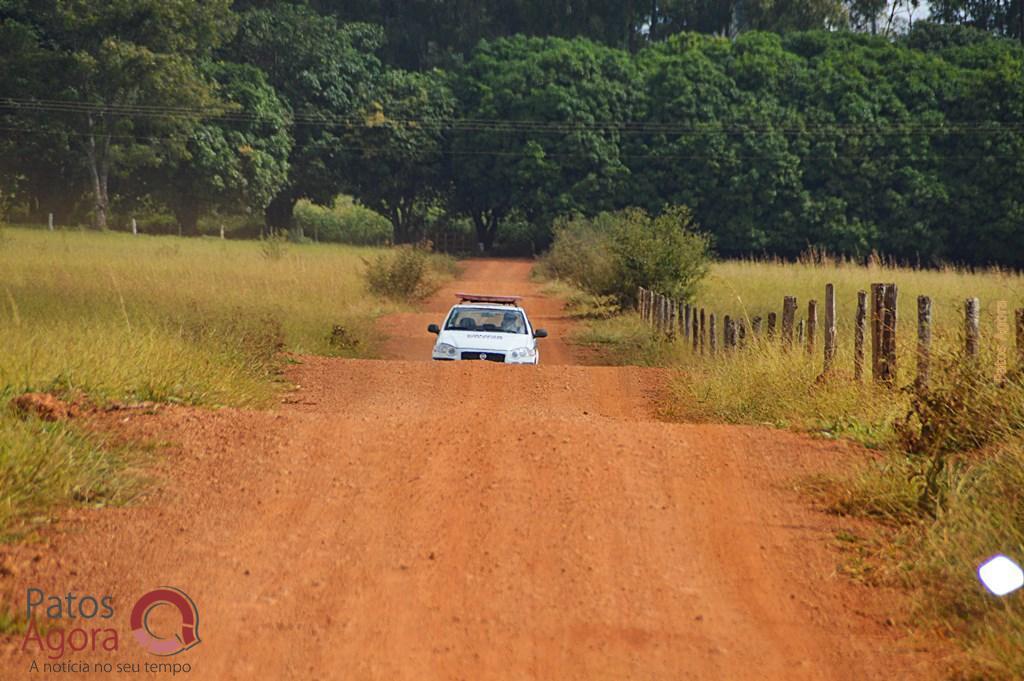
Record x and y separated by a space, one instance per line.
411 520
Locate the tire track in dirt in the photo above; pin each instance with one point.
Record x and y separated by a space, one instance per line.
405 519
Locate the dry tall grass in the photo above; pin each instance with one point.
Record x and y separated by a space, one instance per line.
112 317
948 491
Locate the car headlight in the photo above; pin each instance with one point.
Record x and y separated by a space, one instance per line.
523 353
445 349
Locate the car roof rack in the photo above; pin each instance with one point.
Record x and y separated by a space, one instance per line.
499 300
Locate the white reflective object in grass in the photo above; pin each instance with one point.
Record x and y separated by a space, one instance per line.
1000 575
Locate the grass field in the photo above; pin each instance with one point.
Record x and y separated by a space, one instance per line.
949 489
772 387
110 317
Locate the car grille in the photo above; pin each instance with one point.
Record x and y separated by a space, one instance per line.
489 356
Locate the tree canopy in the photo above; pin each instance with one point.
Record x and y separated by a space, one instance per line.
778 126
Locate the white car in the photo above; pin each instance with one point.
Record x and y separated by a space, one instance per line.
487 328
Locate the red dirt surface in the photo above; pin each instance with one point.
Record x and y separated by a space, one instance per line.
43 406
403 519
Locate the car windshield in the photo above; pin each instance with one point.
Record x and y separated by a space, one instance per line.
486 319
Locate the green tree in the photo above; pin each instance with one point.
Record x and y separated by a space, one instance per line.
1002 17
715 139
119 77
236 162
326 73
40 164
534 130
424 33
395 160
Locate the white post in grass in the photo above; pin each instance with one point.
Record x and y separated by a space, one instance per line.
135 226
49 222
222 231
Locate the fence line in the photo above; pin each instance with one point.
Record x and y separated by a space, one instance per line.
876 319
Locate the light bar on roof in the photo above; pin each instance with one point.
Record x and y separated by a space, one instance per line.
498 300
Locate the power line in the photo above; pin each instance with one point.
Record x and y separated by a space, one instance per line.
458 124
440 153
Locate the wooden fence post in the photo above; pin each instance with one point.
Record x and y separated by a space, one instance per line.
830 326
1002 340
694 327
641 302
800 332
729 332
889 324
859 333
49 221
924 340
788 320
741 332
683 320
772 319
812 325
755 326
672 307
712 334
1020 336
703 330
686 321
972 308
877 307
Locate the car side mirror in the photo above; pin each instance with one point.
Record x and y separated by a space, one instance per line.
434 328
540 333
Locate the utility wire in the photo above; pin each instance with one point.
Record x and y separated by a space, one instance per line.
436 157
457 124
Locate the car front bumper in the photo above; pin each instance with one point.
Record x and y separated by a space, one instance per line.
485 356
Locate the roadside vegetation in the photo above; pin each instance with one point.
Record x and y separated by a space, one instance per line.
946 487
408 273
103 318
615 253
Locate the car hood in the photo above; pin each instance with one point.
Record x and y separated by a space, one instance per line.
483 340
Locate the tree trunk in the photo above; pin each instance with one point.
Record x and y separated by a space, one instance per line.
280 212
486 223
187 216
406 222
99 169
631 28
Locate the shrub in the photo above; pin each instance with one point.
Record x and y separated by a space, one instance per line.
343 222
580 254
274 247
615 253
663 253
961 410
404 273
